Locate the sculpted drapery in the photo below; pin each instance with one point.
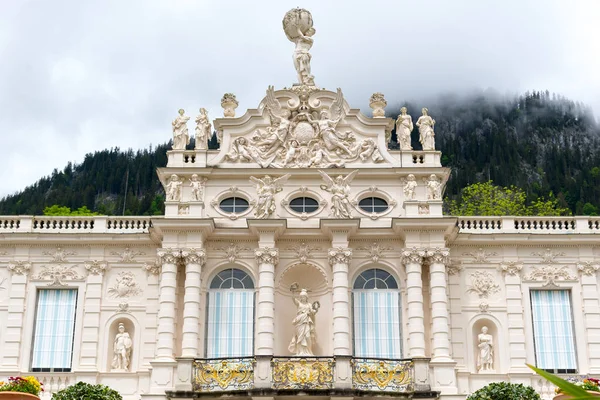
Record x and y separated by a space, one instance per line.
304 326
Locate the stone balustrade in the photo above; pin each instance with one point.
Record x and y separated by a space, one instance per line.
97 224
541 225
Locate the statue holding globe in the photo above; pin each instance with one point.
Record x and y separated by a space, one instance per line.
298 27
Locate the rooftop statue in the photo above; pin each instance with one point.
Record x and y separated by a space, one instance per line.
426 124
298 27
180 131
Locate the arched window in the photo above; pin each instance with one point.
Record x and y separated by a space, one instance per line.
230 325
376 301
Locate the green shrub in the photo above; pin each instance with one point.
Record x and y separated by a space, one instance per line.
82 390
505 391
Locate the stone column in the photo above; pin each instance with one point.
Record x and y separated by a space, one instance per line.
440 327
16 309
412 258
267 258
339 258
591 311
514 313
166 311
91 315
194 260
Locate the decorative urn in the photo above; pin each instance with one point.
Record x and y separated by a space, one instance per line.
377 103
17 396
229 104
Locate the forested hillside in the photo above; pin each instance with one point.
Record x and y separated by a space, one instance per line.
540 142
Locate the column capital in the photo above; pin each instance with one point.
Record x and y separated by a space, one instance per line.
413 255
438 255
193 256
512 268
19 267
267 255
168 256
96 267
339 255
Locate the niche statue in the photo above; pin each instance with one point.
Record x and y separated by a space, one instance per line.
304 324
122 350
485 358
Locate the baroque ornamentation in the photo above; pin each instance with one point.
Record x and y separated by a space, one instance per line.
123 308
302 373
426 135
223 375
197 186
229 104
423 209
19 267
181 138
454 268
152 268
125 286
375 251
438 255
404 127
511 267
410 187
194 256
203 130
483 283
96 267
588 268
168 256
173 188
550 275
267 255
339 255
301 135
382 375
480 256
377 103
303 251
484 307
232 252
266 189
59 255
128 255
413 255
298 27
339 188
57 274
548 256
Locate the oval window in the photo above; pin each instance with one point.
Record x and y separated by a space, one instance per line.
373 205
234 205
304 205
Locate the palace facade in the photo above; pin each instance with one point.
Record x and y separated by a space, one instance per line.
302 257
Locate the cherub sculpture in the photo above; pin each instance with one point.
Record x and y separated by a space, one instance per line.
434 188
173 188
340 193
197 186
266 189
410 187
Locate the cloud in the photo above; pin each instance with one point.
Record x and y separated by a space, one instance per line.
83 76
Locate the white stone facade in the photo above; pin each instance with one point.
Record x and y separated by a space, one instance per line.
364 207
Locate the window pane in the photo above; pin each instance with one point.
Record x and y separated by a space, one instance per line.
54 330
377 324
373 204
553 330
304 204
234 205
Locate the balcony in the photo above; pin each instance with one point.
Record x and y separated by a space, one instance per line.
313 376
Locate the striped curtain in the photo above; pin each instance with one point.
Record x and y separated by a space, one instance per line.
377 324
553 329
54 328
230 328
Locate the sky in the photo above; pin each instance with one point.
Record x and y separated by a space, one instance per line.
80 76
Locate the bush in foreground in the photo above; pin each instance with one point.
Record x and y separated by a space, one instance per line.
505 391
82 390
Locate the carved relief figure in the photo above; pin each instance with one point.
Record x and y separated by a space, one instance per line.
426 135
197 186
297 25
340 193
203 128
266 189
404 127
485 358
410 187
368 148
332 139
304 324
173 188
180 131
125 286
434 188
122 346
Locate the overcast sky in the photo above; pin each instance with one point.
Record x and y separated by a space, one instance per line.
79 76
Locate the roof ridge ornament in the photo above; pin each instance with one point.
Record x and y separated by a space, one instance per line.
298 27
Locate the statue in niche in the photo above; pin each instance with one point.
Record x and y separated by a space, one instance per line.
304 324
180 131
404 127
340 193
197 186
122 350
203 128
485 358
174 188
297 25
410 187
266 189
426 135
434 188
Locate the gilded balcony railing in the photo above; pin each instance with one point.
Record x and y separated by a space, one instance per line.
223 374
302 373
379 375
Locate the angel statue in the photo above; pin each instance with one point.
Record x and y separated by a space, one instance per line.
304 324
425 124
203 128
327 123
404 127
340 193
266 189
276 134
180 131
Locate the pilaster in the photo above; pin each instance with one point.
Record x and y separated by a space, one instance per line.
11 354
194 260
412 258
166 311
91 315
591 312
514 313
